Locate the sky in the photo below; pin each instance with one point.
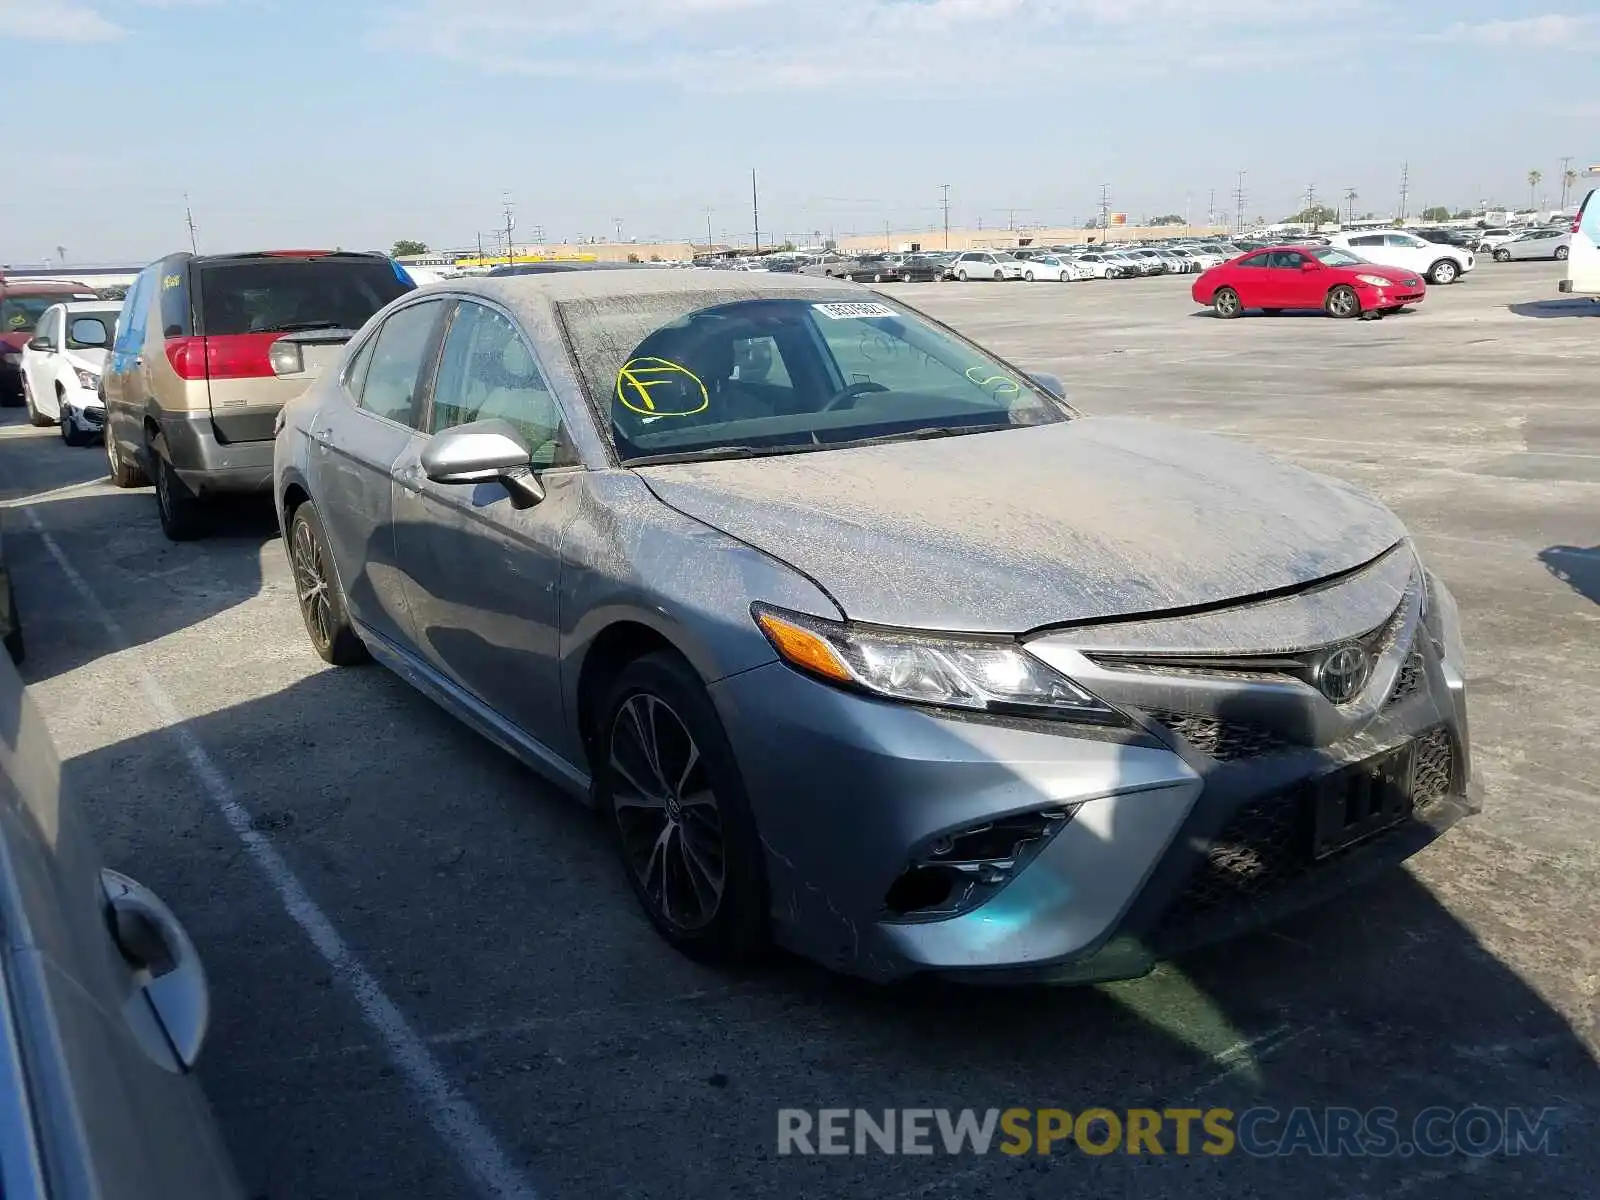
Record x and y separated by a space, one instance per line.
358 122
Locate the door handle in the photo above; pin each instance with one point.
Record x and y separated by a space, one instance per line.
155 944
323 438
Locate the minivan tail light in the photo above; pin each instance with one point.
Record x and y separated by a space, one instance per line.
229 356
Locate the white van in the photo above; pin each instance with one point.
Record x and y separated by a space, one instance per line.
1583 262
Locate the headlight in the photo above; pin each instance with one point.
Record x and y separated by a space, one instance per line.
978 675
87 380
1375 281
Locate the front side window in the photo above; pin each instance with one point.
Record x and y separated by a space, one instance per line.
399 357
1367 239
1335 257
1255 260
694 374
487 371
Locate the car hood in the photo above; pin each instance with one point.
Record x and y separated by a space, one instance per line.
1397 274
1085 520
92 359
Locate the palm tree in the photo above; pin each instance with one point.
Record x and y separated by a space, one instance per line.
1350 199
1569 180
1534 177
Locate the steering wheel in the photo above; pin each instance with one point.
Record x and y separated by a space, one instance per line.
846 397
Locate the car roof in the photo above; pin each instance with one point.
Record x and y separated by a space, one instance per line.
555 287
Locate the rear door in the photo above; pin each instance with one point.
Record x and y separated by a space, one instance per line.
1583 260
356 439
312 303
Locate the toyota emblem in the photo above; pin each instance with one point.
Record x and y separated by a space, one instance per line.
1343 673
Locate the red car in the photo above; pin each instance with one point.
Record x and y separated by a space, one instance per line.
22 303
1281 277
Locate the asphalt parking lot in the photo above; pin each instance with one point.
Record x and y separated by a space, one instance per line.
429 975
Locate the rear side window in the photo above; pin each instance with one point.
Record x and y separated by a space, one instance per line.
135 313
285 294
400 356
176 319
1371 239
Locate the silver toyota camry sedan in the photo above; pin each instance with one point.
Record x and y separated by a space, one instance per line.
864 640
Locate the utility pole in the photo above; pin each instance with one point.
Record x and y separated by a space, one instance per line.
1105 211
1011 219
945 203
616 223
1238 204
708 231
755 208
511 223
1211 212
1405 189
886 246
188 216
1186 200
480 247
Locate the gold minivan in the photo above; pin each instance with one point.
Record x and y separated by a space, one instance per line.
209 349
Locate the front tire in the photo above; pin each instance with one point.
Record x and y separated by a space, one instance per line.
1502 256
962 275
1342 302
670 787
70 433
322 603
1444 272
1226 304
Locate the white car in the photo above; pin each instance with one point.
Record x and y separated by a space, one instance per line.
1490 238
1097 264
1537 243
987 264
1203 256
1054 266
62 365
1583 262
1434 261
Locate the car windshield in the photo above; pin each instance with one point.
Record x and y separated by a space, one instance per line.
1336 257
286 294
20 314
106 317
708 375
1004 257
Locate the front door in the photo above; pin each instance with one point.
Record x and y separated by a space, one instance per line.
482 577
355 444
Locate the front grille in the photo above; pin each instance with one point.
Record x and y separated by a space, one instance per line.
1224 741
1264 849
94 416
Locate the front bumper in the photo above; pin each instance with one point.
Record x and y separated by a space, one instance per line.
1178 838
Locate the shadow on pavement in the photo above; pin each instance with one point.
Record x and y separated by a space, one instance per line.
1576 566
495 915
1549 309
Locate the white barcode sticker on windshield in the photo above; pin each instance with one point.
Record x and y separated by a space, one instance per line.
840 312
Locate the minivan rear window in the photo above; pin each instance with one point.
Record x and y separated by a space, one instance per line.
286 294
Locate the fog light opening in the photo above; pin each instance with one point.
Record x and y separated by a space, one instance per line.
958 870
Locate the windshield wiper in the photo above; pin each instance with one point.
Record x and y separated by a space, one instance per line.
931 432
714 452
300 326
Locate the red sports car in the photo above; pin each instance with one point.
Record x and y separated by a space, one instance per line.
1341 284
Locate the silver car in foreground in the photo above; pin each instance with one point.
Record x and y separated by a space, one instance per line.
861 638
103 1005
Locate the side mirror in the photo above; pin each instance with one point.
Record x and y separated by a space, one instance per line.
1050 383
482 452
1310 264
89 331
43 345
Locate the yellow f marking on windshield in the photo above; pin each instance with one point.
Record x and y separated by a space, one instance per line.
1004 384
639 377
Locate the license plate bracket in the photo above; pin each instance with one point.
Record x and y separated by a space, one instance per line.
1355 802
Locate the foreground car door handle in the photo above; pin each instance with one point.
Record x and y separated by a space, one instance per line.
157 948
